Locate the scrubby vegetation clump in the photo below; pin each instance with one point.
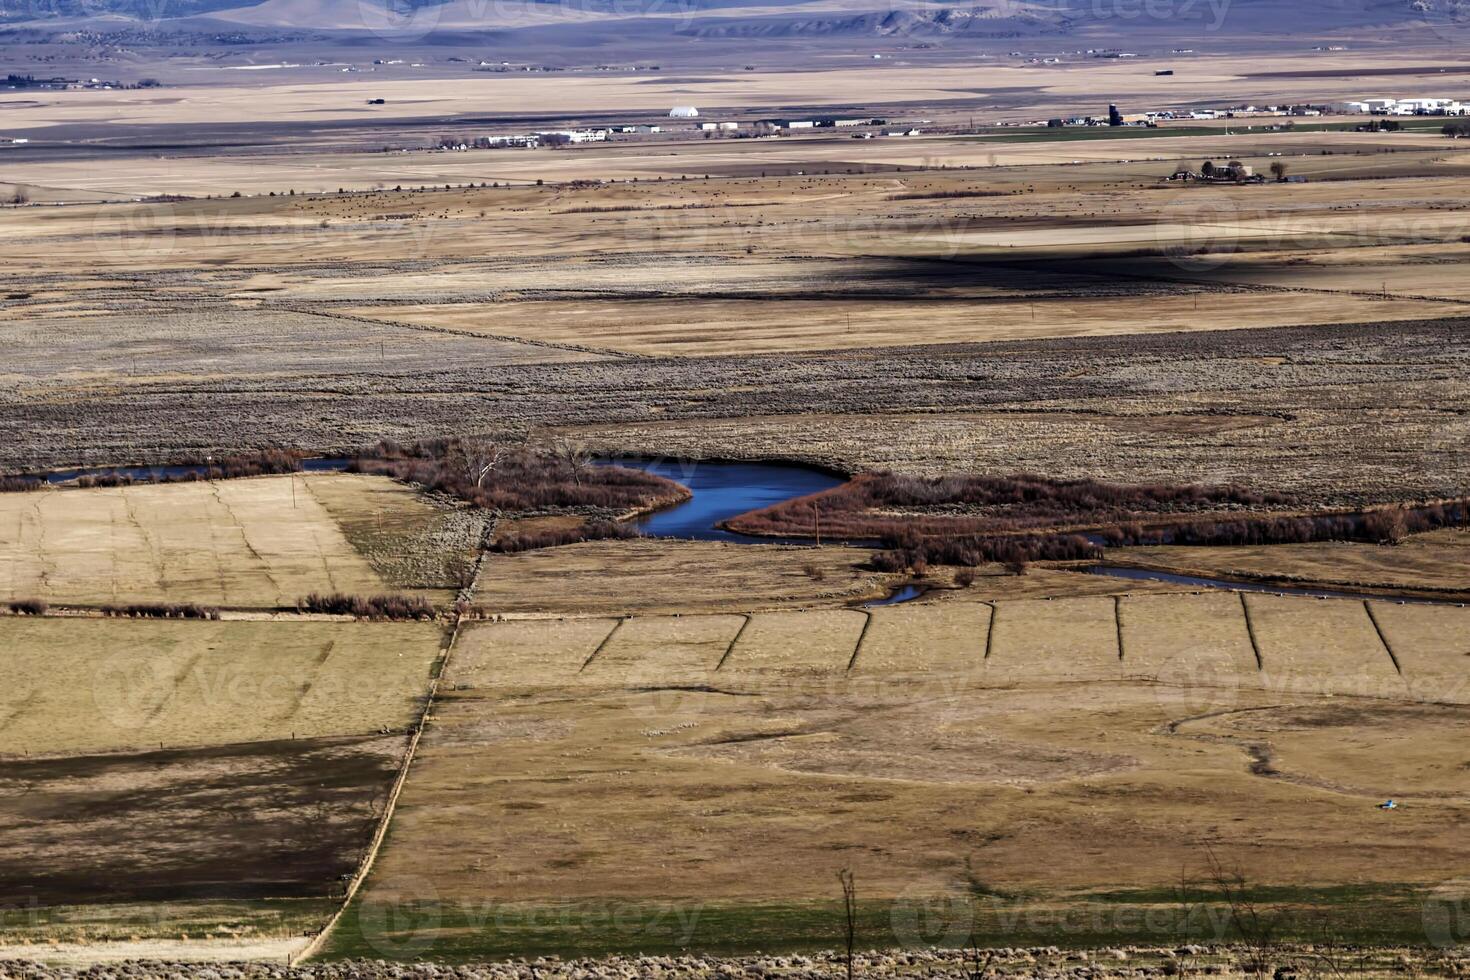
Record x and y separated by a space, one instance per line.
908 548
875 505
528 540
516 478
969 520
397 608
160 610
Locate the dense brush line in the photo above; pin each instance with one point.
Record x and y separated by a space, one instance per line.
265 462
160 610
983 505
908 549
945 195
1382 525
531 539
375 607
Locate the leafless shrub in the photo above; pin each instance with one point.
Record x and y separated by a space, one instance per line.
1258 925
159 610
515 541
907 550
376 607
849 916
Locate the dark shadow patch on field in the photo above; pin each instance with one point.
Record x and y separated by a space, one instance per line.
281 819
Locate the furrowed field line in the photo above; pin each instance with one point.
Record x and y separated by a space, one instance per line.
862 635
603 645
1378 628
380 833
1250 631
734 640
990 627
1118 623
439 328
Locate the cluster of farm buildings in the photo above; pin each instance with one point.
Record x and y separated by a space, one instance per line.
863 127
1375 106
1403 107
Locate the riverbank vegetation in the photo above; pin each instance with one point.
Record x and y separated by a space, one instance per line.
873 505
969 520
393 608
516 478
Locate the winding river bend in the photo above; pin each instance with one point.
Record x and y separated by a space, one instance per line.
723 490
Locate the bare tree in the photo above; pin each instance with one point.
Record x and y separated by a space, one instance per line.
479 458
977 961
849 914
1389 526
1329 956
1278 170
573 455
1259 925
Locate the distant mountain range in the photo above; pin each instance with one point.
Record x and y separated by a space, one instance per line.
755 19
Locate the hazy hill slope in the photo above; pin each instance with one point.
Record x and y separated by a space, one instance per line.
1083 19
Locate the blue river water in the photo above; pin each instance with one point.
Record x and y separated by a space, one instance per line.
723 490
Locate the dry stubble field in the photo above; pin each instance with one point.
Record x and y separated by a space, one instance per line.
260 542
1075 320
1058 749
724 767
194 788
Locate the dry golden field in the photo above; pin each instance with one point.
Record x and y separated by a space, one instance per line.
646 724
85 686
194 789
1072 320
1425 563
266 541
656 576
1009 751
